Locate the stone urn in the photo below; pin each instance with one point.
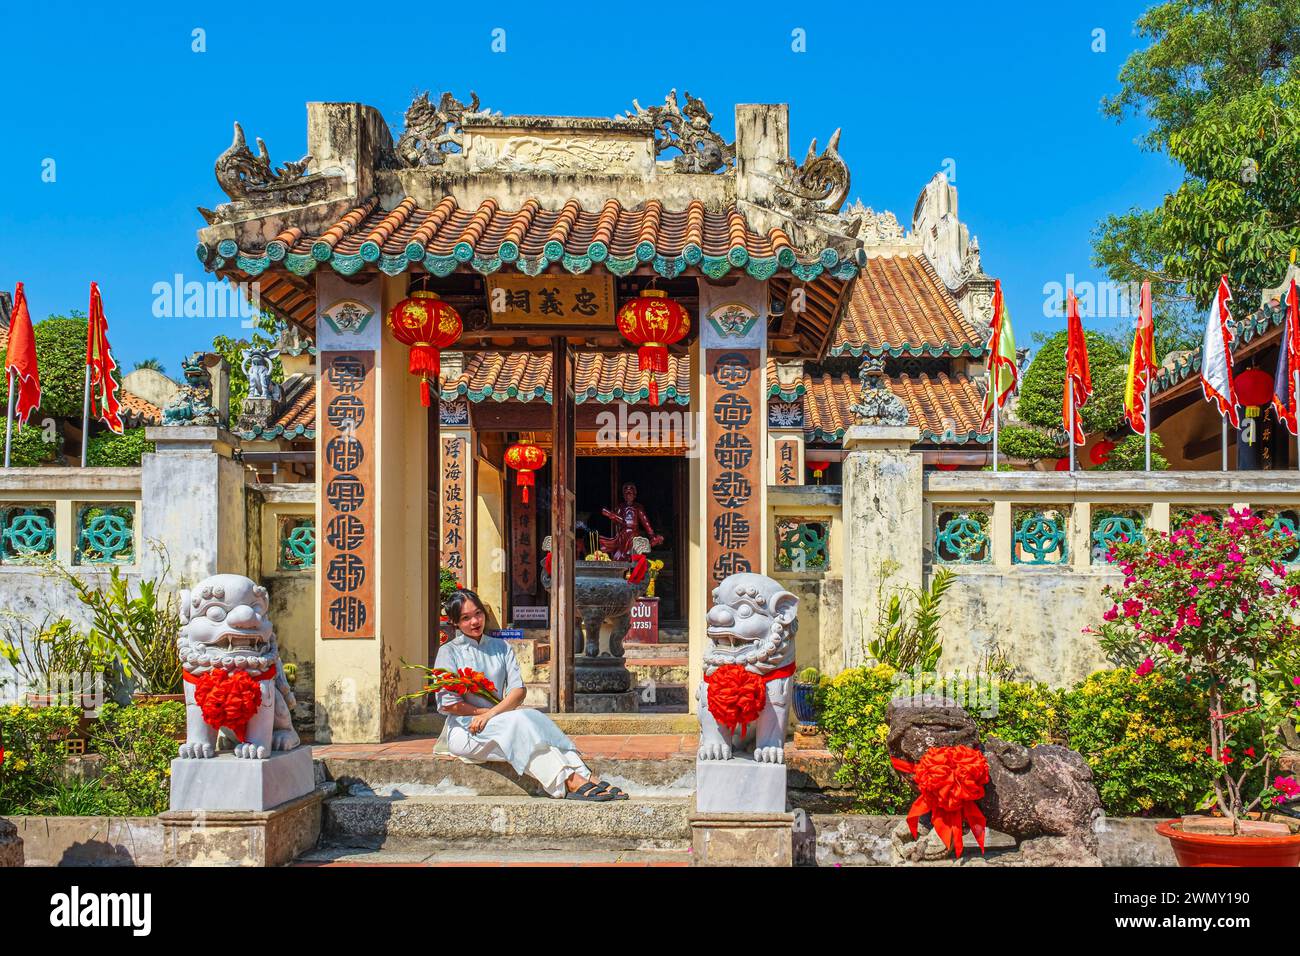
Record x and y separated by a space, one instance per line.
602 682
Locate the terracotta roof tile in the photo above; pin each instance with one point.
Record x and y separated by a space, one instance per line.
899 305
599 376
138 411
948 410
297 416
531 237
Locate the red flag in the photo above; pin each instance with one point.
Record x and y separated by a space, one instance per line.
21 359
1077 376
1141 363
103 389
1285 399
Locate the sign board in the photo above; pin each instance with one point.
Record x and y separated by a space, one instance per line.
645 621
522 301
455 500
525 614
734 433
508 633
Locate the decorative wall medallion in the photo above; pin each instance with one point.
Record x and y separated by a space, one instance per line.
785 414
455 412
733 320
348 317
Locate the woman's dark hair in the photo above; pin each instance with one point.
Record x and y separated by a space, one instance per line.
456 604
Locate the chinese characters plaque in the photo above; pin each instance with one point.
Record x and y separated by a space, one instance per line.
734 432
455 495
521 300
347 482
787 461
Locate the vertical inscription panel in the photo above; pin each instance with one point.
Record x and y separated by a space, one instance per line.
455 494
733 460
346 538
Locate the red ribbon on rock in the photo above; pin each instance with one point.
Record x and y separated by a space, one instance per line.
229 699
950 779
737 696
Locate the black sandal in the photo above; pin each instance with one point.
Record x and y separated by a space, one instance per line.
614 793
590 793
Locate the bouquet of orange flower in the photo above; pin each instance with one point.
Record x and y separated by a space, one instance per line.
464 681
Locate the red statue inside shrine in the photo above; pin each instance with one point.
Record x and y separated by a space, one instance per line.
631 519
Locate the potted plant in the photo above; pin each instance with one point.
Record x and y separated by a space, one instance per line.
806 683
1214 605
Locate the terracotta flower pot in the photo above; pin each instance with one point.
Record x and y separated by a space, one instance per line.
1213 849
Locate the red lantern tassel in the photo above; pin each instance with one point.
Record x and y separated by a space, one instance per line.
424 363
525 481
652 358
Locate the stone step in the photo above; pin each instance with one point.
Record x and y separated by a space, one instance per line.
526 822
550 853
429 775
674 635
430 724
662 670
643 651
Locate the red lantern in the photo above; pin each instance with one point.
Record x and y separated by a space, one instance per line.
653 321
426 324
1062 464
1099 454
525 458
1254 390
818 467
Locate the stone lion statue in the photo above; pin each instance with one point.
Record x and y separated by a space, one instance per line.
1043 797
752 624
234 678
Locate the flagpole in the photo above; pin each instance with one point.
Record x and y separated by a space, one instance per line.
9 418
1224 466
1147 409
1069 394
85 417
995 434
1295 399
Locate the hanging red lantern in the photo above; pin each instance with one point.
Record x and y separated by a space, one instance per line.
818 467
1099 454
653 321
426 324
525 458
1254 390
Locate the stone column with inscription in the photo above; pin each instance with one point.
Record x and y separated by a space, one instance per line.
732 472
370 569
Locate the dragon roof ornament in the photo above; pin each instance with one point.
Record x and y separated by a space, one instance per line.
250 178
689 130
432 132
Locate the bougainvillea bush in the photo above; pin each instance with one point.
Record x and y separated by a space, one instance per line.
1216 607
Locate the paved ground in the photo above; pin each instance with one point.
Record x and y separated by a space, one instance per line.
622 746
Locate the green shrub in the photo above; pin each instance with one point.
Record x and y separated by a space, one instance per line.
107 450
1145 739
1026 713
29 449
35 745
852 715
1042 393
1018 441
137 743
1130 454
61 357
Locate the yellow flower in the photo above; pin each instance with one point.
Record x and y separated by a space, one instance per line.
851 722
882 731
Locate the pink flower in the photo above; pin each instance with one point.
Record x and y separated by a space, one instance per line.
1176 647
1295 681
1288 786
1146 667
1132 608
1111 614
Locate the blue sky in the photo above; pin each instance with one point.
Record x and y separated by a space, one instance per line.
133 118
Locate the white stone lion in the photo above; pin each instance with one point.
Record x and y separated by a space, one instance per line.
752 623
226 627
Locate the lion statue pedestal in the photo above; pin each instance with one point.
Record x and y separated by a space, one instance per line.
255 804
740 776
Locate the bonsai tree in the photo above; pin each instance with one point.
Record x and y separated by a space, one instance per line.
1216 606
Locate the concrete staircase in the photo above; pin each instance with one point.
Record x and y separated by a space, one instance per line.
421 808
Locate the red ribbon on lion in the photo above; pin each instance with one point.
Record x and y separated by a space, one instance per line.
950 779
737 696
229 699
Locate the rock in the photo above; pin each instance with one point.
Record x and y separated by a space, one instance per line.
918 723
11 845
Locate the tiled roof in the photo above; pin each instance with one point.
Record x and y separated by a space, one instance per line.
898 305
598 376
531 238
946 409
1181 366
297 417
137 411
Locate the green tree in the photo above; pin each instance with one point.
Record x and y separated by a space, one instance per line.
1130 454
61 357
107 450
1220 88
29 447
152 363
1042 392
